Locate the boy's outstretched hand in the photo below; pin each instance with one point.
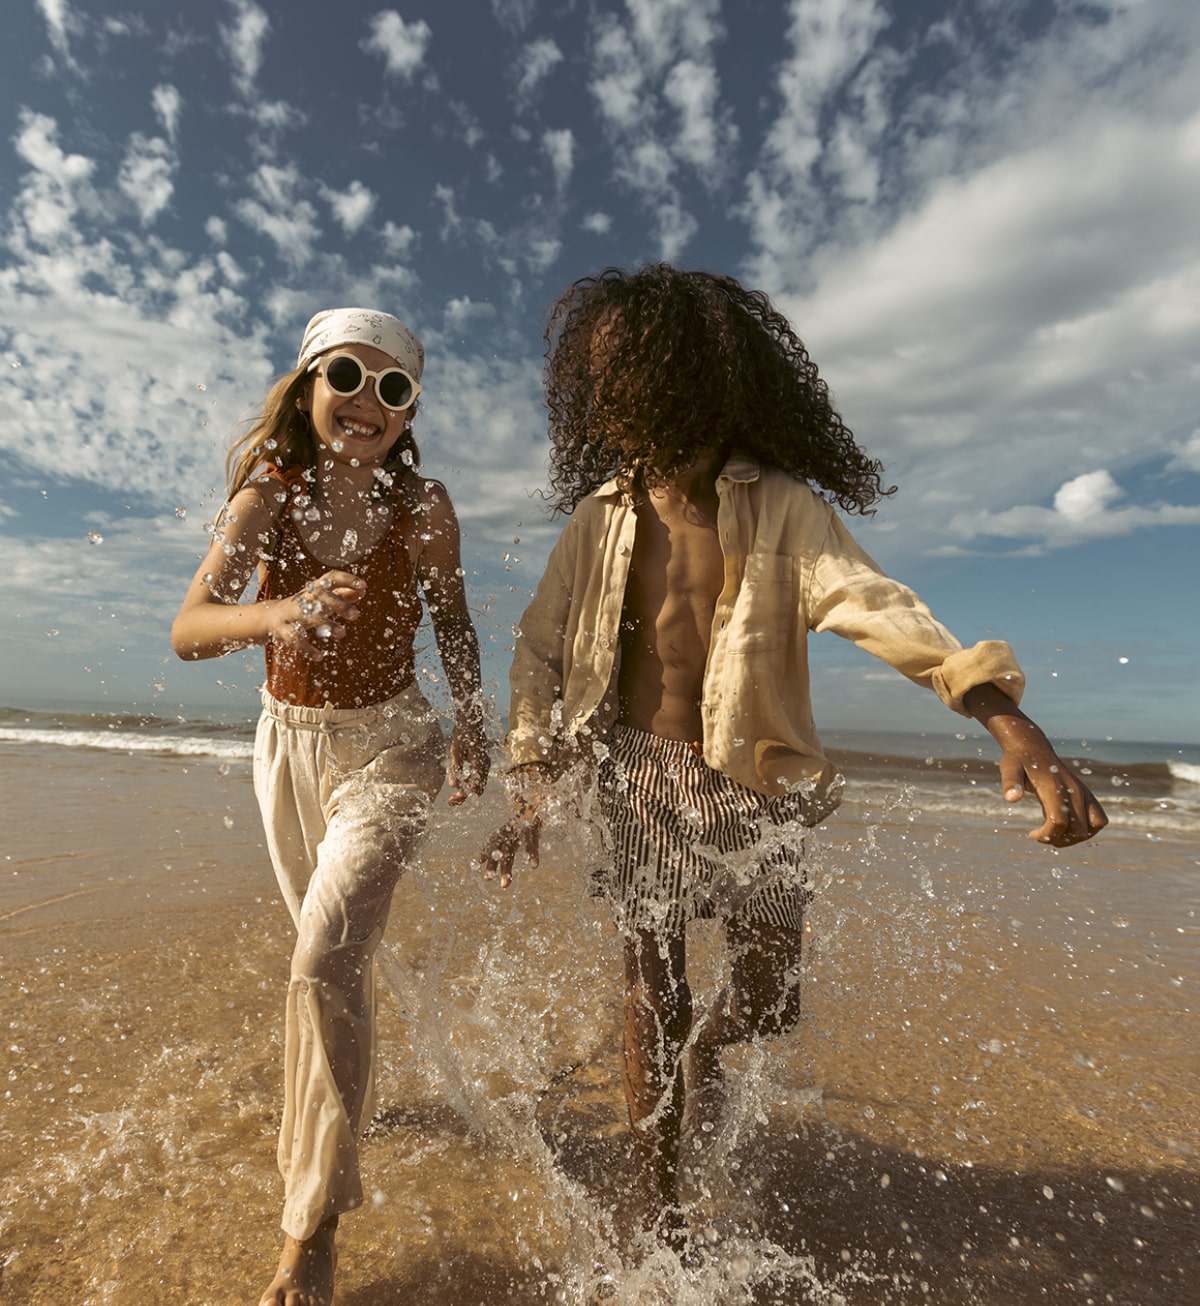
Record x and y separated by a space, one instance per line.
529 786
1029 764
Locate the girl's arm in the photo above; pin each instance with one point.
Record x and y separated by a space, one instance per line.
211 620
440 573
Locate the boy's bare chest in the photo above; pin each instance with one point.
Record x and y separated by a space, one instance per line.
677 570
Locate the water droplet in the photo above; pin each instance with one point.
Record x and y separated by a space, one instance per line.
50 634
1048 1193
337 445
94 537
1115 1184
324 631
1123 661
181 513
228 822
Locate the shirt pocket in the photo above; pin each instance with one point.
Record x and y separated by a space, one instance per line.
765 610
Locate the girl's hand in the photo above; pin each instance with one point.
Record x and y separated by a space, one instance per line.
470 762
316 613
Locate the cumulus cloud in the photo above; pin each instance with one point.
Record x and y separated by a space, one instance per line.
536 62
1085 508
61 20
560 150
351 207
401 45
168 107
243 40
655 85
278 210
399 239
147 175
1185 456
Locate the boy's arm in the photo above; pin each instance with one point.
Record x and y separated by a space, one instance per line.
1029 764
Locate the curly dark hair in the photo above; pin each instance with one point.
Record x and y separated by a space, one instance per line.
647 370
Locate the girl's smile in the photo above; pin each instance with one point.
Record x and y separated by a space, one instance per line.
358 427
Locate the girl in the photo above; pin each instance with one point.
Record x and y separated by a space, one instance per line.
326 505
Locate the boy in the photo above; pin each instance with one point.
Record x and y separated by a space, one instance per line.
668 639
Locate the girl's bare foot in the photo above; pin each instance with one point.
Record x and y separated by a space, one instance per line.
305 1275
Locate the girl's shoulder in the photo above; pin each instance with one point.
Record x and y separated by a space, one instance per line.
264 495
423 496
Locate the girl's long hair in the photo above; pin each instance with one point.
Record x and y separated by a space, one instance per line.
647 370
282 434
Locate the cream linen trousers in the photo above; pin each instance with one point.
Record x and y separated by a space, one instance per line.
344 795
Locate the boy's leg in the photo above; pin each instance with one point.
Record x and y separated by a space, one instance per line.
763 999
658 1018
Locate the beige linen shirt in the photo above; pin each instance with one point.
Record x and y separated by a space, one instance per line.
791 566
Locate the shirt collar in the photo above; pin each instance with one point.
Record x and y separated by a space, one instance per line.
739 467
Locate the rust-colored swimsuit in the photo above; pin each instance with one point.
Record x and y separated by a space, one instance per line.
373 661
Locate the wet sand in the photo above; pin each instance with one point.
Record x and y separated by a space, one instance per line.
992 1097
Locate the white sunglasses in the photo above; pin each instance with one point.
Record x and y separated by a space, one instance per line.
346 375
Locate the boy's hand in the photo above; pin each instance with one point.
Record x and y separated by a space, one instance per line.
498 854
529 786
1029 765
1071 811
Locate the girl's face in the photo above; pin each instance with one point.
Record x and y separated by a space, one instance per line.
356 429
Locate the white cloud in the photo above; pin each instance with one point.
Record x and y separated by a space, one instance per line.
243 41
599 224
1087 495
279 211
461 313
1186 455
37 144
352 206
1084 509
652 72
617 82
536 61
560 150
542 252
146 175
705 134
168 107
61 21
398 240
402 45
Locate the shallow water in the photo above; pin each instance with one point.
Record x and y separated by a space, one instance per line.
992 1097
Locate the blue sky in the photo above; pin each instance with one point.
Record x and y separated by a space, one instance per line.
982 217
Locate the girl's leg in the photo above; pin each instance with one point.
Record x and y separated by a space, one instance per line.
658 1018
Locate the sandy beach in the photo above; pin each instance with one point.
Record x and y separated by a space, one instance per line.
992 1098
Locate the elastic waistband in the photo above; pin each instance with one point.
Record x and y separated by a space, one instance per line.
628 742
337 718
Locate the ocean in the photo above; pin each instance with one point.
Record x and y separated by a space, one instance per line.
992 1098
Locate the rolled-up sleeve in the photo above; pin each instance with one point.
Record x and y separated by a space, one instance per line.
851 596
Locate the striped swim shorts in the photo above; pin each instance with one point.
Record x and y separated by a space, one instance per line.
687 842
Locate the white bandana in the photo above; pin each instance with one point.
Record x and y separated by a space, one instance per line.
362 326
